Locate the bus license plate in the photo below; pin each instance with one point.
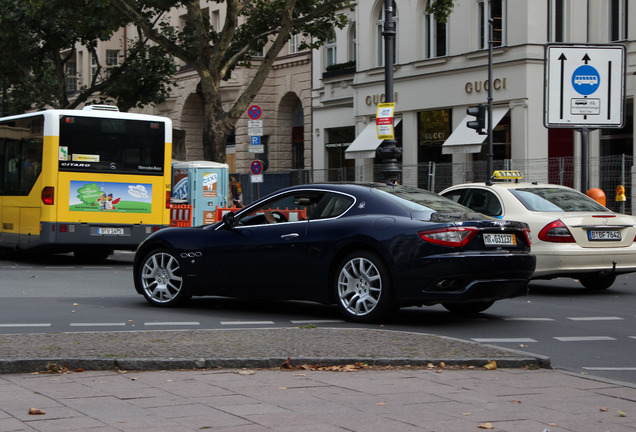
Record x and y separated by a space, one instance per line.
500 239
110 231
604 235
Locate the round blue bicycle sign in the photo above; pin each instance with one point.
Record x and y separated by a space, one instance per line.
586 80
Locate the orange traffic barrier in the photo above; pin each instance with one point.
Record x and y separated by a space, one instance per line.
180 215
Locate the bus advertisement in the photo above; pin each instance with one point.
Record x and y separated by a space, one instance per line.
85 181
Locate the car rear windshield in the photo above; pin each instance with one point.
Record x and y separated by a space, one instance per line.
556 200
420 200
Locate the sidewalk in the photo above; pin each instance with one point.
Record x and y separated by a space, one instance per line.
517 396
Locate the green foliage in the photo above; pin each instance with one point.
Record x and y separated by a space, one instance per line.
441 9
37 40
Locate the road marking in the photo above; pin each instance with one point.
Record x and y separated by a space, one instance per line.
503 340
610 368
315 321
173 323
27 325
528 319
583 338
97 324
246 322
599 318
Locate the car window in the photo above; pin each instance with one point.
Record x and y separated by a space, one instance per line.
332 205
290 207
556 200
455 195
483 201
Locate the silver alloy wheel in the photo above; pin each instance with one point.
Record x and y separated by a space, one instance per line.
359 286
161 278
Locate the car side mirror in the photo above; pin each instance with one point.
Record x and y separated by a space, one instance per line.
228 220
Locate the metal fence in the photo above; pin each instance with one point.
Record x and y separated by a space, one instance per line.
604 172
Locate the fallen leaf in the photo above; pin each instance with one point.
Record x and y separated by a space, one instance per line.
380 404
516 401
35 411
523 346
245 372
486 426
282 388
442 364
491 365
621 413
604 409
286 364
466 414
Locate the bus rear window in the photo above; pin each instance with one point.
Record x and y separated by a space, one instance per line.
111 145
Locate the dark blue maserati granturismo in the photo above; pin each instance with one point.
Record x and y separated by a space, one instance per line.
369 248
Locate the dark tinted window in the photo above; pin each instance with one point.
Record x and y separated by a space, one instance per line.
111 145
20 154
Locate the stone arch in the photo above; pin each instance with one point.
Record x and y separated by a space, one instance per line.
289 149
192 121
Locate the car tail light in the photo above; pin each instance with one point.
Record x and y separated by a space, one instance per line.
528 234
556 232
451 236
48 195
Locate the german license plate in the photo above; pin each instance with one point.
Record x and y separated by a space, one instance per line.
603 235
110 231
500 239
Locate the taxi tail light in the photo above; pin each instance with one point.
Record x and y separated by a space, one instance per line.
48 195
556 232
451 236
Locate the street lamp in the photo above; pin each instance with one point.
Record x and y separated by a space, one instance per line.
388 152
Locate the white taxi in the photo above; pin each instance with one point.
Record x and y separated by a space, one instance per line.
572 234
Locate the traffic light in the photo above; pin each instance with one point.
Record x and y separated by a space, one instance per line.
479 112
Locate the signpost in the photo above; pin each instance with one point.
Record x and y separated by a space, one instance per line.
256 168
585 88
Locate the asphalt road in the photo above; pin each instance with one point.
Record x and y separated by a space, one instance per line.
580 330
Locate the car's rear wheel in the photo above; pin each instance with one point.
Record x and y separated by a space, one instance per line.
363 288
597 281
468 308
161 280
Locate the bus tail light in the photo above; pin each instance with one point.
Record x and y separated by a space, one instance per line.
168 193
48 195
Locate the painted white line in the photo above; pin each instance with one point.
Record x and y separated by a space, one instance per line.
584 338
316 321
503 340
174 323
97 324
97 267
528 319
59 267
610 368
598 318
246 322
26 325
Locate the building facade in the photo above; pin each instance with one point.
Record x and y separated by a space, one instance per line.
441 69
285 100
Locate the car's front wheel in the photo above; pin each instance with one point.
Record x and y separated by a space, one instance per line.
468 308
598 281
161 279
363 288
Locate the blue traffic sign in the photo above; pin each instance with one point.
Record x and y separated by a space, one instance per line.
254 112
586 80
255 140
256 167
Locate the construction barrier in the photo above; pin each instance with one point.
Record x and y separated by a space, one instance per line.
180 215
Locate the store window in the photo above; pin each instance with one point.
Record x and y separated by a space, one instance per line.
380 37
556 20
618 20
435 36
495 9
337 140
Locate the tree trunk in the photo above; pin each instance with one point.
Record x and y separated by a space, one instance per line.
217 126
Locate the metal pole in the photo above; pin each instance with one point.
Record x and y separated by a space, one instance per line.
489 154
388 152
584 159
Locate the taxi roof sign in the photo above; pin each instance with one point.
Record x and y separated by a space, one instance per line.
507 175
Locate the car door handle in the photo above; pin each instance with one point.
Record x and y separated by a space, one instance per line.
290 236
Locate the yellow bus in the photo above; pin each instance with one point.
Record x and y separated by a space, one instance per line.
85 181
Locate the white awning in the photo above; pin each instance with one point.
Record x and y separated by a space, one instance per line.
366 143
467 140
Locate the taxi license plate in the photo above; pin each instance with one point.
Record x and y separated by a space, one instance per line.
604 235
500 239
110 231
